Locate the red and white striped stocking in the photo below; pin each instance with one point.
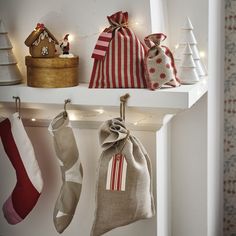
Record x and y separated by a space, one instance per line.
29 181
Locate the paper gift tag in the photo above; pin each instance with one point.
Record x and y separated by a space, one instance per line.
116 173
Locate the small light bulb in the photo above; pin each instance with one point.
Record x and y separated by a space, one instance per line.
136 123
72 116
202 54
136 23
100 111
33 119
71 37
176 46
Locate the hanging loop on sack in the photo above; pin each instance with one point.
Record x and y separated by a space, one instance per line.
17 105
65 114
123 101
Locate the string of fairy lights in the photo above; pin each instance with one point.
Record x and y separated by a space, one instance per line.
133 24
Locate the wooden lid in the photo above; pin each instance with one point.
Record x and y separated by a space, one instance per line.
54 62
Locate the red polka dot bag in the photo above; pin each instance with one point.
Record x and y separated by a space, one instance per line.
159 63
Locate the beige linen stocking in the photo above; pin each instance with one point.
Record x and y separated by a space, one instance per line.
71 169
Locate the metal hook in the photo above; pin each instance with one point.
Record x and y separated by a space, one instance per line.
17 105
65 111
123 101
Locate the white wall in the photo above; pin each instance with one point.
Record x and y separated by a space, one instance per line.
197 11
159 14
40 222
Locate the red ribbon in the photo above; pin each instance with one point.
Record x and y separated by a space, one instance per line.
40 26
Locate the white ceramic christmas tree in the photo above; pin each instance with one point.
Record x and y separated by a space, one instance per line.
9 72
187 70
187 37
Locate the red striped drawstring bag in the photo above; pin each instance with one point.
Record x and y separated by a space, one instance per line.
118 56
124 179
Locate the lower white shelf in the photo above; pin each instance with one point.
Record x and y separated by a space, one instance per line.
145 107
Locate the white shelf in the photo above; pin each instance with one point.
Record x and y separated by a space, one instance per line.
147 110
182 97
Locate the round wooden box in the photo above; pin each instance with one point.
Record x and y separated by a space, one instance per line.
52 72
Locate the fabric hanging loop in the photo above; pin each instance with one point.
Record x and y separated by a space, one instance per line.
65 114
17 105
123 101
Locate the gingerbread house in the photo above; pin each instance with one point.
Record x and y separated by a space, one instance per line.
41 42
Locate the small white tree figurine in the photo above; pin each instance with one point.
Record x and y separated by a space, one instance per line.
9 72
187 69
187 37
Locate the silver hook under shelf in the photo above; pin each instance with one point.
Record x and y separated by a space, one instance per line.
17 105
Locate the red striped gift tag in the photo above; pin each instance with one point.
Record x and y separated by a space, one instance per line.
116 173
102 45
